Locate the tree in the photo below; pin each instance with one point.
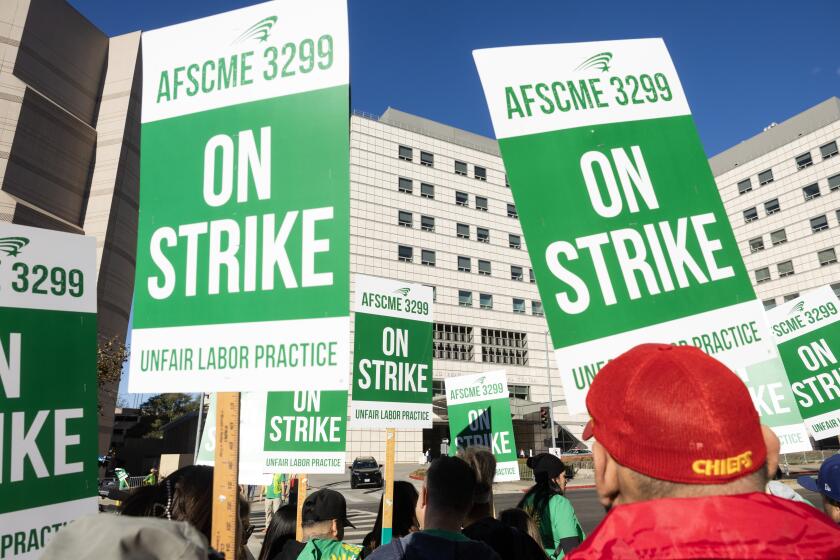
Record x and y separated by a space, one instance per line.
161 409
111 355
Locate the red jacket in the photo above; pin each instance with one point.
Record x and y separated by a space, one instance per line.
746 526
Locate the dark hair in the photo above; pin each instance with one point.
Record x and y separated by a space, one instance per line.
404 514
544 489
280 530
189 492
519 519
450 483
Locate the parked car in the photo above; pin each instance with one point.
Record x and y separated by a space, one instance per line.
365 471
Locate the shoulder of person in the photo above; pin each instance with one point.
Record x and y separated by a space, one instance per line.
290 551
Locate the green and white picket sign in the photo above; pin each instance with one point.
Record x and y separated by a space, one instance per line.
250 459
243 243
807 331
302 432
392 355
48 415
627 233
478 406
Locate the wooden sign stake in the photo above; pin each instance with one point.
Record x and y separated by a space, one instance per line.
225 523
301 497
388 500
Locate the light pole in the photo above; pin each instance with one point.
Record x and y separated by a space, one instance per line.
550 392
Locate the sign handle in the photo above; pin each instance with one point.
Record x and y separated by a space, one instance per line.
301 497
388 498
225 523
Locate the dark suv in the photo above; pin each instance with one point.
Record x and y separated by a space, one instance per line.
365 471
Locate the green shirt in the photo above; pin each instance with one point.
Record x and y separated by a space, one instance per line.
325 549
275 489
556 521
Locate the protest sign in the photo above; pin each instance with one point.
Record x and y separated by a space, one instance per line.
629 239
242 276
48 414
392 355
807 331
478 406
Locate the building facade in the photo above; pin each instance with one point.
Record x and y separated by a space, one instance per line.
69 145
781 190
430 204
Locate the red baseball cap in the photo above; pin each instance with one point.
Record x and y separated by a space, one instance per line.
674 413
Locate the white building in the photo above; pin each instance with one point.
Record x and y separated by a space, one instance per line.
430 204
781 190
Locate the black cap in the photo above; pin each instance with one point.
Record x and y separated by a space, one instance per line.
325 505
546 463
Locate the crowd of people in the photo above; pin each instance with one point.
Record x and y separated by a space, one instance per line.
682 465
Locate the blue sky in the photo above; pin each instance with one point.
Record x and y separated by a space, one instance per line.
743 64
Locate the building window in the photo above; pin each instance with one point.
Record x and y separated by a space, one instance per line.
484 267
438 388
464 264
406 153
519 392
480 173
772 206
516 273
750 215
482 234
514 241
485 301
762 275
453 342
434 291
827 256
531 277
507 183
756 244
427 190
406 185
537 308
804 160
765 177
511 211
504 347
819 223
778 237
405 254
834 182
462 231
789 297
427 159
405 218
836 288
785 268
462 198
769 304
481 203
427 257
464 298
427 223
811 191
460 168
744 186
518 305
828 150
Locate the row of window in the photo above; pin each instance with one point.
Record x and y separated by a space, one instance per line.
462 231
485 301
427 190
824 257
771 303
809 192
514 391
818 223
802 161
427 159
455 342
428 257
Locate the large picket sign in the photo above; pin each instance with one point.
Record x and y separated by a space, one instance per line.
807 331
392 355
48 416
629 239
243 244
478 406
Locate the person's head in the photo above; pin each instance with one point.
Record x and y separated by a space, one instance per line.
549 471
404 519
483 463
519 519
827 484
670 421
324 515
447 495
281 529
